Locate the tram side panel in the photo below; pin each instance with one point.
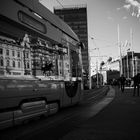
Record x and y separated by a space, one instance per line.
13 91
24 99
21 99
11 97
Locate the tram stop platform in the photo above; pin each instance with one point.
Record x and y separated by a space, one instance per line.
117 117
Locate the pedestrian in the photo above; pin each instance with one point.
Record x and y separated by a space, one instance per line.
122 82
136 80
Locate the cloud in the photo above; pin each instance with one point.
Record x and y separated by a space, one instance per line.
110 18
118 9
127 6
135 6
132 2
125 17
129 1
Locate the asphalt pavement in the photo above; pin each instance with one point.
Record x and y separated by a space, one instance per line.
116 117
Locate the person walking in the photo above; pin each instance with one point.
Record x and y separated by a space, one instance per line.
136 80
122 82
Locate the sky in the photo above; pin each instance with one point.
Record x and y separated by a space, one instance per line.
108 19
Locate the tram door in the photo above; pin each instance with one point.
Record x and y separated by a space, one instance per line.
72 84
76 72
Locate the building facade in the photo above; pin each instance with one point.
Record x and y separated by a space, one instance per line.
110 71
76 18
131 64
15 59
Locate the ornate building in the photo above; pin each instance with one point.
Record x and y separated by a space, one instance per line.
14 57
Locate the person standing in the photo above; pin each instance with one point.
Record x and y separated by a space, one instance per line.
122 82
136 80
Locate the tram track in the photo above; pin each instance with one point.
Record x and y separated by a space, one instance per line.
96 96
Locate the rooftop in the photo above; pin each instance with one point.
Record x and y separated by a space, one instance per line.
70 7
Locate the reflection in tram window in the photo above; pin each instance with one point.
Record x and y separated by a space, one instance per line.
13 53
7 62
7 52
1 51
27 55
28 65
18 54
14 64
1 62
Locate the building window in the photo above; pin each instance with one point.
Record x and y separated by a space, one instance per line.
18 64
1 51
14 64
7 63
1 62
18 54
27 55
28 65
13 53
7 52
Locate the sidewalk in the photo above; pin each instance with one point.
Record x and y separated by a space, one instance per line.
116 117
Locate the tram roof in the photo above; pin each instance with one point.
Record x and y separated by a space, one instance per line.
46 14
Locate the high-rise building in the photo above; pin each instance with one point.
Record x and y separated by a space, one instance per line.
76 18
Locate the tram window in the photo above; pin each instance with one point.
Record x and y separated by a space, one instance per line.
1 51
1 62
7 52
14 64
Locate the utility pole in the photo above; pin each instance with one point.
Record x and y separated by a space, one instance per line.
90 83
131 42
89 57
97 68
119 46
128 63
97 74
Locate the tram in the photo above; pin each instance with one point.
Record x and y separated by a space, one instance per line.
40 62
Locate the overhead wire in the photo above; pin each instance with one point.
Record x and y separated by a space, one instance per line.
110 43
